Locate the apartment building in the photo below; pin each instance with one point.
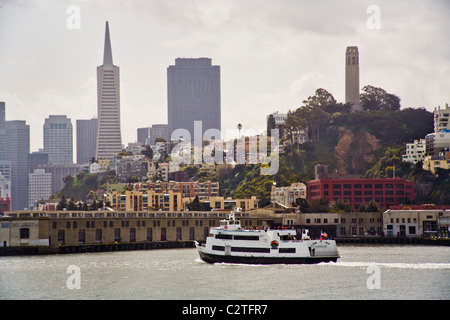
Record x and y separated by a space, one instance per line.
285 196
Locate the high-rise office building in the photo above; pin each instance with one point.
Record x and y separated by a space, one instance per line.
58 139
39 187
2 130
193 94
352 77
17 148
159 131
143 135
109 141
86 140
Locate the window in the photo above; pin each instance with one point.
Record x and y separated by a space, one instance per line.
61 237
286 250
117 235
149 234
247 249
132 234
25 233
98 235
239 237
81 236
223 236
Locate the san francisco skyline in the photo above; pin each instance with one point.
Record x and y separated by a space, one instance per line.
272 55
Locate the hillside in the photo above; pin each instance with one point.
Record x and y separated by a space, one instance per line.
367 143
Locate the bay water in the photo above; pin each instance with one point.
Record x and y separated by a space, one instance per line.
362 272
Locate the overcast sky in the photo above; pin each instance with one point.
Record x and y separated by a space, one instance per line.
273 54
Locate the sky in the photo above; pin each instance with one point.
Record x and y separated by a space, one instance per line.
273 54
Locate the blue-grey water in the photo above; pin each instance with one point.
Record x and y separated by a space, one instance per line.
362 272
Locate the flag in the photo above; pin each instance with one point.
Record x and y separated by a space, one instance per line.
323 234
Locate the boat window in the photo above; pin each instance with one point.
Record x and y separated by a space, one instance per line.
223 236
245 249
240 237
287 250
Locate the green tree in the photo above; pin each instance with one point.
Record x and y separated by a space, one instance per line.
62 203
372 207
373 99
71 206
270 125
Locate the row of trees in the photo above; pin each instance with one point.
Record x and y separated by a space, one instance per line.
71 205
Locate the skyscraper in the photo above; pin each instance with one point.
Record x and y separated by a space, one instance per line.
58 139
193 94
109 141
2 130
159 131
352 77
86 140
39 187
17 148
143 135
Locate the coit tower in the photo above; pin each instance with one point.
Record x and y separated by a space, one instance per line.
352 77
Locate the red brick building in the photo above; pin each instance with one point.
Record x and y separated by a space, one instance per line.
358 191
5 204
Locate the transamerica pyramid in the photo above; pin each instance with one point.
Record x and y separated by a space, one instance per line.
109 141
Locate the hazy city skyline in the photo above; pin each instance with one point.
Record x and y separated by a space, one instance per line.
272 54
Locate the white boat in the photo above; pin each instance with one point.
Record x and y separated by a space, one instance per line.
230 243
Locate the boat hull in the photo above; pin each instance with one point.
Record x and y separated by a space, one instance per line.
213 258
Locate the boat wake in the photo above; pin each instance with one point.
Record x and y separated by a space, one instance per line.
394 265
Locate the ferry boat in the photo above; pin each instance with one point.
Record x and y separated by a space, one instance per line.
230 243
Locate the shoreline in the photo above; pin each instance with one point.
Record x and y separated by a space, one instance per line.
155 245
